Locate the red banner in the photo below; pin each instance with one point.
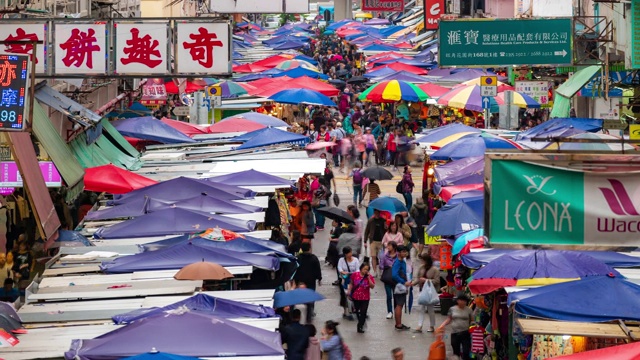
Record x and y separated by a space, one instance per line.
435 8
383 5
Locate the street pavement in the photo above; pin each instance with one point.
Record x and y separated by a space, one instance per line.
380 336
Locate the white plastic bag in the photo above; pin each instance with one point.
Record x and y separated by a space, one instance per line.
428 295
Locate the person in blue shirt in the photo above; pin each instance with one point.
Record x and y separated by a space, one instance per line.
331 341
399 274
8 292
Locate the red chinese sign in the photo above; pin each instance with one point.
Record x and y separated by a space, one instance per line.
80 48
435 8
25 36
154 92
141 48
202 48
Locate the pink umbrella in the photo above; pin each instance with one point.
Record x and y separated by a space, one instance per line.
448 191
320 145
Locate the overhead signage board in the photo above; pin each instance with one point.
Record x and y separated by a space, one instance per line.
616 124
145 47
538 203
635 34
10 176
538 90
14 75
504 42
259 7
382 5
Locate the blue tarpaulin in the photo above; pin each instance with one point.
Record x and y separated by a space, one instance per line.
250 178
251 245
150 128
270 136
475 260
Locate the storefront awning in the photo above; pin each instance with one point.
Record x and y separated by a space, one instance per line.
69 168
65 105
577 81
548 327
38 194
104 151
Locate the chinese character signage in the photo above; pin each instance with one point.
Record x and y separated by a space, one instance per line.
635 34
538 90
382 5
435 8
202 48
504 42
14 73
154 92
10 176
80 48
22 33
141 48
259 7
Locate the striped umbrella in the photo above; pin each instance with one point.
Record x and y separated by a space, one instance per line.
231 89
393 90
520 99
478 81
294 63
467 97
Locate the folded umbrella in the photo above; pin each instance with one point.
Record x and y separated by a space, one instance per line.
336 214
377 173
295 297
203 270
157 355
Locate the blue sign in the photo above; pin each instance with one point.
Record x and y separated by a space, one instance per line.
13 89
486 102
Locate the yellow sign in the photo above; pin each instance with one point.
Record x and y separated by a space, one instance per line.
431 240
488 81
214 90
634 132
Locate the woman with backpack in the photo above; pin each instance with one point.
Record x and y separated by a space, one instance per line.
386 263
356 175
332 343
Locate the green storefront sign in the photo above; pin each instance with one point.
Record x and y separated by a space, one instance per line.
635 34
498 42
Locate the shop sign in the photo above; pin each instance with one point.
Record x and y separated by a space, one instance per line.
382 5
538 90
141 48
154 92
535 204
80 48
259 7
635 34
14 74
505 42
10 176
22 33
202 48
435 8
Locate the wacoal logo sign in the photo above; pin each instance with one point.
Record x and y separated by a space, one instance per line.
620 204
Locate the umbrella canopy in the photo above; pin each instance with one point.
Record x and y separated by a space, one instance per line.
181 188
336 214
182 254
392 91
357 80
455 219
209 336
203 270
405 76
273 61
68 238
294 63
387 203
300 72
561 127
474 237
472 145
591 146
619 352
467 97
319 145
520 99
156 355
447 192
433 90
203 303
449 139
461 75
266 120
478 81
377 21
302 96
379 73
251 178
295 297
190 86
270 136
377 173
171 221
245 244
614 259
149 128
400 66
248 68
540 267
9 319
234 125
288 45
464 171
184 127
230 89
439 133
467 197
112 179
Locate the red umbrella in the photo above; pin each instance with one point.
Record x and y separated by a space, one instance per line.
234 125
433 90
114 180
398 66
249 68
192 86
448 191
394 54
273 61
620 352
185 127
303 82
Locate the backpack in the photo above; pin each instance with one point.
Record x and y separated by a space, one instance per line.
357 177
346 352
399 187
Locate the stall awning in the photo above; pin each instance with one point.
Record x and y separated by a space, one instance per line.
65 105
38 194
547 327
576 82
116 138
102 152
69 168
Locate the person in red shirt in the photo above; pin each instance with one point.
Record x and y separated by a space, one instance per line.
360 292
392 148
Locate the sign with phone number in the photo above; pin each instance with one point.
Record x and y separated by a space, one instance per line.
13 85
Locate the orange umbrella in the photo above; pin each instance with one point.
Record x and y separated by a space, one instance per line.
114 180
203 270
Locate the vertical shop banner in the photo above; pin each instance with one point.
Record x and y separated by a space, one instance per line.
80 48
141 48
25 32
435 8
202 48
635 34
538 204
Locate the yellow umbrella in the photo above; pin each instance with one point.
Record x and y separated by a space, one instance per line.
477 81
451 138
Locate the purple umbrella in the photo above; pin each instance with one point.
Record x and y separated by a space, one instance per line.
188 333
245 245
266 120
404 76
250 178
171 221
206 204
203 303
377 21
468 74
149 128
180 255
464 171
439 133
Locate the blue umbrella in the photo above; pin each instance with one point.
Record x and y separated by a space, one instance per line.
464 239
472 145
386 203
156 355
455 219
288 45
439 133
295 297
298 96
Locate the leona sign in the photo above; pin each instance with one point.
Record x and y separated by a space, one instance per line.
535 204
505 42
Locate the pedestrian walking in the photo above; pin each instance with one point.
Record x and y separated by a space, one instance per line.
296 337
357 178
420 215
427 273
403 228
407 186
460 318
309 273
400 290
321 196
373 233
392 235
372 189
387 259
306 221
397 354
349 238
347 265
313 349
371 146
331 342
360 292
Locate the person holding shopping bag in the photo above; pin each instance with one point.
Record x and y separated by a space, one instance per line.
428 275
360 291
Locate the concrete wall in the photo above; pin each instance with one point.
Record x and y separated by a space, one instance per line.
501 9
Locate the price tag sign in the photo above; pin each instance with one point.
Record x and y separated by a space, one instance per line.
14 74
